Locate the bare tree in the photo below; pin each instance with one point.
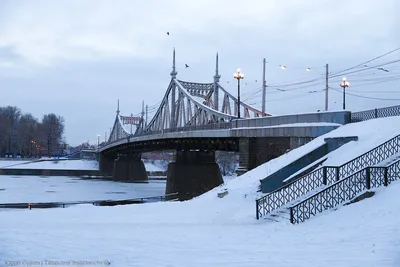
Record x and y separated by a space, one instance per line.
25 135
52 128
9 119
28 134
227 162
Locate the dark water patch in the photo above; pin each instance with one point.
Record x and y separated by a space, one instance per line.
52 185
133 181
50 191
95 203
115 192
119 202
70 182
95 178
2 189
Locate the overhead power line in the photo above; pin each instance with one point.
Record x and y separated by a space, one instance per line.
367 97
368 61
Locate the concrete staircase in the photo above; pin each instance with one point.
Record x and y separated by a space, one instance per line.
312 184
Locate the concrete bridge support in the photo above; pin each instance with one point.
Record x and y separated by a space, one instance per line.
192 174
129 168
106 165
254 151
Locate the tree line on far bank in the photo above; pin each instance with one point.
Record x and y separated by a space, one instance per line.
21 134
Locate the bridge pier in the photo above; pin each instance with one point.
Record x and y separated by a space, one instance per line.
129 167
192 174
106 164
255 151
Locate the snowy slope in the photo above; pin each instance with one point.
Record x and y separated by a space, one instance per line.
198 233
152 167
212 231
370 133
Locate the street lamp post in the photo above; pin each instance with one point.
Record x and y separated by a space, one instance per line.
344 83
238 75
31 150
98 143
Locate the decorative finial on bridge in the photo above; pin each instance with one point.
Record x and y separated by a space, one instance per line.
118 108
173 72
216 76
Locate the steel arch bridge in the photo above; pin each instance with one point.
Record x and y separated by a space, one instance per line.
186 106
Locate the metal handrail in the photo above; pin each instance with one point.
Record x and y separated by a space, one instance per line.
324 176
375 113
344 190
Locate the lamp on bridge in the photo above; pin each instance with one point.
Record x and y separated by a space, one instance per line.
238 75
344 83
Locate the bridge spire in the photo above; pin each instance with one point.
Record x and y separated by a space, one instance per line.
216 76
216 81
173 72
118 108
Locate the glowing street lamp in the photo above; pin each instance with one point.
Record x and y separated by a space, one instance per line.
238 75
344 83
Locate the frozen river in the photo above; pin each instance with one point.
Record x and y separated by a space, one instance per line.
15 189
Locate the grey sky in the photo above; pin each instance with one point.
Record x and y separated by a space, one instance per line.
76 58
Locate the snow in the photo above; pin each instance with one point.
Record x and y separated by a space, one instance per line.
370 134
14 189
206 232
388 161
64 165
59 165
212 231
6 162
150 167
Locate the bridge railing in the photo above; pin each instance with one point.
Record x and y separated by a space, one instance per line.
375 113
211 126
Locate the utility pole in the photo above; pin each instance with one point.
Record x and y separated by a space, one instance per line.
105 137
147 112
264 89
327 87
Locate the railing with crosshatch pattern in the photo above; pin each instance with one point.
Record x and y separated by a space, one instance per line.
344 191
324 176
375 113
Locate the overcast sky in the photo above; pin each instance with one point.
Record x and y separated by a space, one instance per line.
76 58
